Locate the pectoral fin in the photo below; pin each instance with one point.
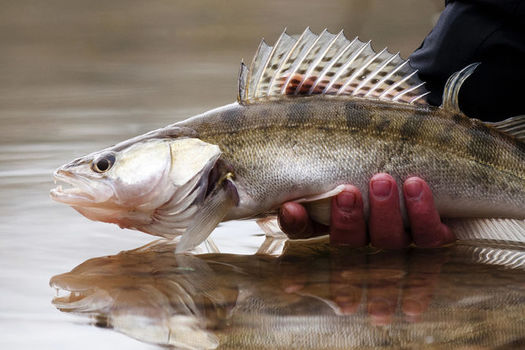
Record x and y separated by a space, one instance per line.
320 210
214 210
270 227
319 206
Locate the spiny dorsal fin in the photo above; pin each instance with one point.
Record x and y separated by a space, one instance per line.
328 64
453 85
243 73
514 126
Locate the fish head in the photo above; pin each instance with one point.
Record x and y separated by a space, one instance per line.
139 185
151 294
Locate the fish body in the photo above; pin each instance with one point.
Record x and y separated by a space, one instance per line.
299 147
313 112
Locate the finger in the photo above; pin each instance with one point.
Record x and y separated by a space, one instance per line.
347 222
347 281
294 221
425 223
421 280
292 276
385 223
385 272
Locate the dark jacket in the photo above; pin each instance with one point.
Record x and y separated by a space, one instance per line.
488 31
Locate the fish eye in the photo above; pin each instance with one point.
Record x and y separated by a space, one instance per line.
103 164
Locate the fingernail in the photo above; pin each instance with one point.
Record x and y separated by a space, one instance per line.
413 189
381 188
347 308
412 307
379 306
345 201
293 288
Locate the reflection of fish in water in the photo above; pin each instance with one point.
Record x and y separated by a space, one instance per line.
313 112
431 299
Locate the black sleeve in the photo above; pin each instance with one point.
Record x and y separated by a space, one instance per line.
488 31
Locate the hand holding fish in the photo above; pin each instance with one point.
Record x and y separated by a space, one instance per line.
386 287
386 229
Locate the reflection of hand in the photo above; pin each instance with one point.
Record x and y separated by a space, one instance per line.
385 225
382 282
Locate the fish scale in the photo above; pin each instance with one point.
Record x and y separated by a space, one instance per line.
319 142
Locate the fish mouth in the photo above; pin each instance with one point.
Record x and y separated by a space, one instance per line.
78 190
68 298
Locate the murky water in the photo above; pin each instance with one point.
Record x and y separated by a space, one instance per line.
77 76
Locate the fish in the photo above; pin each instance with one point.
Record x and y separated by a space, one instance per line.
467 296
313 112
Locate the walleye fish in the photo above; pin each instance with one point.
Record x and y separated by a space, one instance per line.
313 112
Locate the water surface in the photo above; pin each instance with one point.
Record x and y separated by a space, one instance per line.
312 296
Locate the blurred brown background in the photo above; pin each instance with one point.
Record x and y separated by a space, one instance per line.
158 55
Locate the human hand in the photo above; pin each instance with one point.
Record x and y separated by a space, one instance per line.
385 224
377 284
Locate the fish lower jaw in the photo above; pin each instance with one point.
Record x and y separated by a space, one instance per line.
73 197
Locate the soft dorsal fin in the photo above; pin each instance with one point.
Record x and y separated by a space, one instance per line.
514 126
328 64
452 87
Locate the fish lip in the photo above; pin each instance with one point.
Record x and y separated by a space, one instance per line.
80 191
